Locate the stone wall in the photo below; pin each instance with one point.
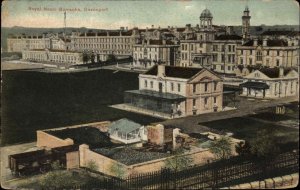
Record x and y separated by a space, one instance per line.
287 181
105 164
46 140
72 159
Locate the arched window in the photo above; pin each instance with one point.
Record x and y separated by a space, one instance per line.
258 56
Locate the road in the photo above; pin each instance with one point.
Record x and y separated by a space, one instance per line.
246 107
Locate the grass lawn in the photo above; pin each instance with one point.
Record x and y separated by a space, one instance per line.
35 100
247 128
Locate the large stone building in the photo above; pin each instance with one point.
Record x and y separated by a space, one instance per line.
224 53
177 91
45 41
271 83
103 44
269 52
196 47
151 52
57 56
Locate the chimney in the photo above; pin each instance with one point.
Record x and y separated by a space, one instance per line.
107 33
84 33
126 28
255 42
152 26
161 70
146 29
281 72
265 42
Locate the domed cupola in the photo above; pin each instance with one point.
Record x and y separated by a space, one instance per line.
206 19
206 14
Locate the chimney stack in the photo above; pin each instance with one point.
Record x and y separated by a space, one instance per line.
265 42
255 42
161 70
281 72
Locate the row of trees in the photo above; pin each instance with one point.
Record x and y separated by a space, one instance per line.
90 57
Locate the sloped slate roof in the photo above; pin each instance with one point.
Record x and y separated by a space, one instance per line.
176 72
274 72
124 126
228 37
255 85
273 42
280 32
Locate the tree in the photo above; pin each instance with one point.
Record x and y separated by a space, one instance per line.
221 148
118 170
178 161
111 58
264 145
93 57
243 148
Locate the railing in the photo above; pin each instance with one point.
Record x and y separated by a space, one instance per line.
215 175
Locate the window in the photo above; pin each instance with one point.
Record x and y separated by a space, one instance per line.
215 57
146 84
215 86
223 58
277 62
229 48
178 86
228 68
192 47
267 62
222 67
258 56
194 88
268 52
215 47
223 48
182 46
250 61
194 102
151 84
242 52
278 53
215 100
241 60
172 86
291 87
250 52
205 101
205 87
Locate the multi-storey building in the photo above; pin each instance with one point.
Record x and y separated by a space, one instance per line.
269 52
177 91
224 53
151 52
57 56
103 44
20 43
195 49
271 83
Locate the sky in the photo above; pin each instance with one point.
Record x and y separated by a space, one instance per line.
163 13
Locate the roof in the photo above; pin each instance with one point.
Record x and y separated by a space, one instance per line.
129 155
280 32
228 37
124 126
158 95
176 72
270 42
83 135
160 42
206 14
255 85
273 72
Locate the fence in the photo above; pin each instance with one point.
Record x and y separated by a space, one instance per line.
215 175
